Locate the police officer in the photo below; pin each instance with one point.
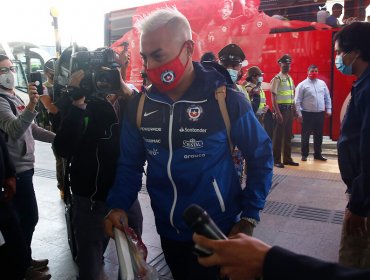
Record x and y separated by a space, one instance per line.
231 57
282 89
256 94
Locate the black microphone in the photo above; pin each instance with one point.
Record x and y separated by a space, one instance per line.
200 222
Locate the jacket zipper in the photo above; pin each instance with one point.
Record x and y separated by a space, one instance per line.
169 174
219 195
169 168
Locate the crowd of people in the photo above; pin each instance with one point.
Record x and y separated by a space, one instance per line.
201 131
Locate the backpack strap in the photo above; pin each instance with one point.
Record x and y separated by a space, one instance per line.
220 95
11 104
140 107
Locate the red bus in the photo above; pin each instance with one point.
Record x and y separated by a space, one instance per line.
263 36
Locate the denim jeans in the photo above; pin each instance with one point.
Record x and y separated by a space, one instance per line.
25 205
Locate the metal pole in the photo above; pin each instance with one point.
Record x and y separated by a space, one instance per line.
58 48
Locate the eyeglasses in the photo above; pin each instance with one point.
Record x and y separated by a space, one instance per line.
7 69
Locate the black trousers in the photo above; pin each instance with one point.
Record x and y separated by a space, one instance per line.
313 122
14 254
183 263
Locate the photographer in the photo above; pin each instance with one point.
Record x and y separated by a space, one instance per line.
89 136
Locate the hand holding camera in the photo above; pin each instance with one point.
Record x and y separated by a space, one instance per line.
124 58
74 85
76 78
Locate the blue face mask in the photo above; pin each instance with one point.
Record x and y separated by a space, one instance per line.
233 74
260 79
345 69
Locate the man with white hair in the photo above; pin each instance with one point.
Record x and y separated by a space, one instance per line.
182 135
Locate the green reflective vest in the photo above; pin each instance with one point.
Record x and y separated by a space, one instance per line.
262 102
285 94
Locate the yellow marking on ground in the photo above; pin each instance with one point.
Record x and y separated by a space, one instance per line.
312 168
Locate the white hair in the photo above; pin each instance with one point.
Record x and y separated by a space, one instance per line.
165 16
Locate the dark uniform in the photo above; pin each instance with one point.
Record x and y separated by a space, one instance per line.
282 89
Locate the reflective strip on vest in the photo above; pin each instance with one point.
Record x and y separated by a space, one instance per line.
262 102
285 94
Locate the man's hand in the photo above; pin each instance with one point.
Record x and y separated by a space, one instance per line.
239 258
355 225
124 58
265 109
279 117
9 189
300 118
327 114
115 218
243 226
76 78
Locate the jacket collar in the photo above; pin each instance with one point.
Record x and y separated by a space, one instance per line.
363 77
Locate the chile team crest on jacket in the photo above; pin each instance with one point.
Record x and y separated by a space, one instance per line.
194 112
168 76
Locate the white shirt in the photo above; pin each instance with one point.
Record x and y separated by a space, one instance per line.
312 96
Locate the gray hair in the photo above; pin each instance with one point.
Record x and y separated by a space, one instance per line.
166 16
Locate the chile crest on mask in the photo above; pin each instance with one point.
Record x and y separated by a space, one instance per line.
7 80
167 76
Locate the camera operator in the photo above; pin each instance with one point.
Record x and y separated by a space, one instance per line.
89 135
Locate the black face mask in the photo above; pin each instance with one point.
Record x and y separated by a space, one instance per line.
285 69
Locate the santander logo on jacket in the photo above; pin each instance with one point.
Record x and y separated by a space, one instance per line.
189 161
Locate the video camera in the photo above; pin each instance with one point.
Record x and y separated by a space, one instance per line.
100 68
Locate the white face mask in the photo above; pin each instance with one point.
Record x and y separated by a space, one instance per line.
260 79
7 80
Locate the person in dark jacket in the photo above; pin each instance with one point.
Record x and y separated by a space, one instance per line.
243 257
89 137
352 46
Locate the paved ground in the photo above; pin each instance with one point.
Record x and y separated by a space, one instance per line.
303 213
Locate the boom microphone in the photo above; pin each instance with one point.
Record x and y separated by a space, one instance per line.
200 222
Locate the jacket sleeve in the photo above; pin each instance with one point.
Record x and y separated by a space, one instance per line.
283 264
70 132
41 134
9 169
359 202
130 169
14 126
298 98
250 137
